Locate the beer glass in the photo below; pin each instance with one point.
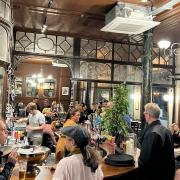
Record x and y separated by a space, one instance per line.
22 169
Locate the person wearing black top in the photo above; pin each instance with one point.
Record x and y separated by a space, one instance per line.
5 174
156 160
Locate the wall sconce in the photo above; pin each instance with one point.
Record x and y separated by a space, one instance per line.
156 93
168 97
173 50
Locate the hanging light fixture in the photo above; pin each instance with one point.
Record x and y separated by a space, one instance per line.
44 27
38 79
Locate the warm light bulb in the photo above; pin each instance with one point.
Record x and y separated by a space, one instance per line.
39 75
164 44
49 77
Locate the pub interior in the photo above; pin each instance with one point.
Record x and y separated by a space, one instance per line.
63 56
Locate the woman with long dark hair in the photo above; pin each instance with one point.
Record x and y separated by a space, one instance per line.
82 163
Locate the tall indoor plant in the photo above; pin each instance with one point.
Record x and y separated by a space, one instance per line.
113 120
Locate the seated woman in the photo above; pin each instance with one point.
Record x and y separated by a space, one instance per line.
83 162
176 134
74 115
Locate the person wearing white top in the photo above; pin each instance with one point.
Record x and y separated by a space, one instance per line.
35 122
82 163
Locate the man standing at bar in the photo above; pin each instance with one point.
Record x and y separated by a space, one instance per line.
156 160
35 124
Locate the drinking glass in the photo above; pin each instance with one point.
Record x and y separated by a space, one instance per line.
131 144
22 169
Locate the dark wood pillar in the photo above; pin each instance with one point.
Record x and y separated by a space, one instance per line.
88 94
76 68
147 73
76 60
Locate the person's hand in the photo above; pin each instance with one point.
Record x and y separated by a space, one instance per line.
21 120
29 128
12 157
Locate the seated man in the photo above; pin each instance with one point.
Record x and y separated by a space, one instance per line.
6 172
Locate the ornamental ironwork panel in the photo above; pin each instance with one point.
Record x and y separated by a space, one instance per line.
93 70
88 48
104 50
24 41
96 49
135 53
64 46
121 52
161 76
160 57
44 44
127 73
128 53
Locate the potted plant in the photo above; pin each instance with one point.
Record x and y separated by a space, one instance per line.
113 121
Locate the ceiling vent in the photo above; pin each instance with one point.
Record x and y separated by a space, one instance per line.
128 18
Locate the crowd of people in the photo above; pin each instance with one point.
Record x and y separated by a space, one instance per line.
77 160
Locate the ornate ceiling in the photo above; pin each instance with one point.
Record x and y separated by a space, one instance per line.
84 18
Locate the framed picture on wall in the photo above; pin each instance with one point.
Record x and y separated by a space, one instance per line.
65 91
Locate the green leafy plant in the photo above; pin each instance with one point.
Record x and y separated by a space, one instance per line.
113 120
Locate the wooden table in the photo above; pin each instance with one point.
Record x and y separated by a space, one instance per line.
46 173
109 171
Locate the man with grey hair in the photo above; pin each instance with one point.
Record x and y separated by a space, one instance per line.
156 160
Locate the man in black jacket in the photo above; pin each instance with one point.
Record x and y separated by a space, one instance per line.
156 160
9 165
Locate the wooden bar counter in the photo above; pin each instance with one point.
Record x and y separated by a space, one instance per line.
109 171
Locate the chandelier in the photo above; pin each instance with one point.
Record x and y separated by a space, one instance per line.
169 48
37 80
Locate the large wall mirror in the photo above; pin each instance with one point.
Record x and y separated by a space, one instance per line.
40 87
